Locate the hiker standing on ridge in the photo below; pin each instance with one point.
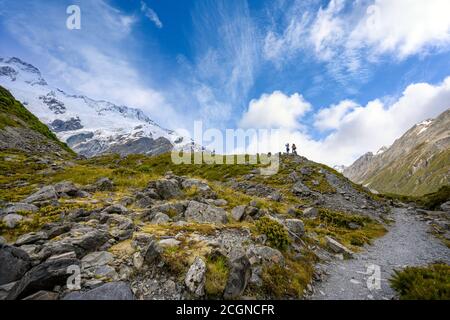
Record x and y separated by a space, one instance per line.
294 149
287 148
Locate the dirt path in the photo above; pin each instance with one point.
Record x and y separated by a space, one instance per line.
406 244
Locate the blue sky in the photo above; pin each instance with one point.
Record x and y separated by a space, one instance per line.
338 77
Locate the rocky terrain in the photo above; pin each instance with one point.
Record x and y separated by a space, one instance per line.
140 227
417 163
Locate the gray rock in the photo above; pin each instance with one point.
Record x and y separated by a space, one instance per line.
66 255
300 189
196 277
238 278
43 295
109 291
44 276
43 194
160 218
95 259
167 243
445 206
311 212
104 184
151 252
337 247
14 262
20 207
204 213
116 208
120 227
2 240
11 220
238 212
66 188
31 237
295 227
168 188
264 255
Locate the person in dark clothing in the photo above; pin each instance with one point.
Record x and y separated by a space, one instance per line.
287 148
294 149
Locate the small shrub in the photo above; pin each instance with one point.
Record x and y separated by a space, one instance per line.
423 283
276 233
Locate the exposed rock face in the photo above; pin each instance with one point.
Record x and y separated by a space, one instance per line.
42 277
238 278
14 262
413 158
195 277
109 291
72 124
204 213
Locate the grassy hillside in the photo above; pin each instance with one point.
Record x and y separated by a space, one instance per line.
399 178
14 114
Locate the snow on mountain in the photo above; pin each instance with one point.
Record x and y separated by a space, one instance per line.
88 126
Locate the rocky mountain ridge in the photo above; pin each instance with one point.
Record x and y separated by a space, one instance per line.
415 164
90 127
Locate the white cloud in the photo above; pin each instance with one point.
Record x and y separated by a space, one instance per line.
347 34
330 118
151 14
356 129
275 110
403 27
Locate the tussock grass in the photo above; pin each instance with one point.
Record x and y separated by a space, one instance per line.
423 283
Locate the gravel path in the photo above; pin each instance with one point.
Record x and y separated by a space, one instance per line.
406 244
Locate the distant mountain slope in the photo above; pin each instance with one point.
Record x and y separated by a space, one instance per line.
21 130
90 127
417 163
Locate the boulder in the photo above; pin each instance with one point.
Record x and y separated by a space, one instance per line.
259 255
337 247
445 206
116 208
160 218
168 188
11 220
300 189
238 212
14 262
31 237
44 276
104 184
151 252
240 273
167 243
66 188
204 213
196 277
95 259
43 194
20 207
118 290
295 227
120 227
311 212
203 189
43 295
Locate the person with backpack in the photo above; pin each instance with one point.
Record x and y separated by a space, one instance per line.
294 149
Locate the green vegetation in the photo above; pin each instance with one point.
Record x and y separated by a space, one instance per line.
14 114
217 271
338 225
423 283
275 232
399 177
430 201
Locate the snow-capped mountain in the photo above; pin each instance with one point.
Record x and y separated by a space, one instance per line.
88 126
